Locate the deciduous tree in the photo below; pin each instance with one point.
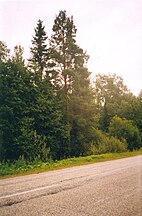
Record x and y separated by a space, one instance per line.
125 129
110 92
4 52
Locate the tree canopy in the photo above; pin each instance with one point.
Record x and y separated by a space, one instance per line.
50 108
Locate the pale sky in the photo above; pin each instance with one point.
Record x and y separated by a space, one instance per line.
109 30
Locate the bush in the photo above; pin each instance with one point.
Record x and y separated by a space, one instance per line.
115 145
104 144
125 129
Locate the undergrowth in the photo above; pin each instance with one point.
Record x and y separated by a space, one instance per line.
23 167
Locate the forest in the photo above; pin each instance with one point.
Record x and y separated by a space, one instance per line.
50 108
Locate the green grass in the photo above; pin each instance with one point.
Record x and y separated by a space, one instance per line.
21 167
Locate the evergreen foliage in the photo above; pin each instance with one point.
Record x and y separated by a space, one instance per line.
39 51
66 55
49 110
16 97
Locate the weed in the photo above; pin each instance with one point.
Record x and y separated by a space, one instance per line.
22 167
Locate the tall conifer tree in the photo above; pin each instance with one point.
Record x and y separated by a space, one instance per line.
66 55
39 51
73 79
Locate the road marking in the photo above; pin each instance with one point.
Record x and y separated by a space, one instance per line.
108 172
57 184
28 191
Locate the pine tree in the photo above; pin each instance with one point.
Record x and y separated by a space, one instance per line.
81 112
73 81
39 51
66 56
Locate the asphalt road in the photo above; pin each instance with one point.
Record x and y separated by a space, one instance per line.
103 189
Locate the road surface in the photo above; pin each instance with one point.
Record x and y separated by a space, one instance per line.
112 188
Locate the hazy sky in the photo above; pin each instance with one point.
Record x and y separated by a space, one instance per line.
109 30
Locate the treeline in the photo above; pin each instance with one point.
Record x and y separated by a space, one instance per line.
49 108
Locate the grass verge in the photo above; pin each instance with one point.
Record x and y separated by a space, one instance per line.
21 167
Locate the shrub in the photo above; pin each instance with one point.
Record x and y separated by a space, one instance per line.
115 145
125 129
104 144
21 162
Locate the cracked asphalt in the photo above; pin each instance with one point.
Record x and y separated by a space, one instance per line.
112 188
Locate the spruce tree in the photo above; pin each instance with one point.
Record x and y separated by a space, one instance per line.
47 114
30 118
16 99
39 51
